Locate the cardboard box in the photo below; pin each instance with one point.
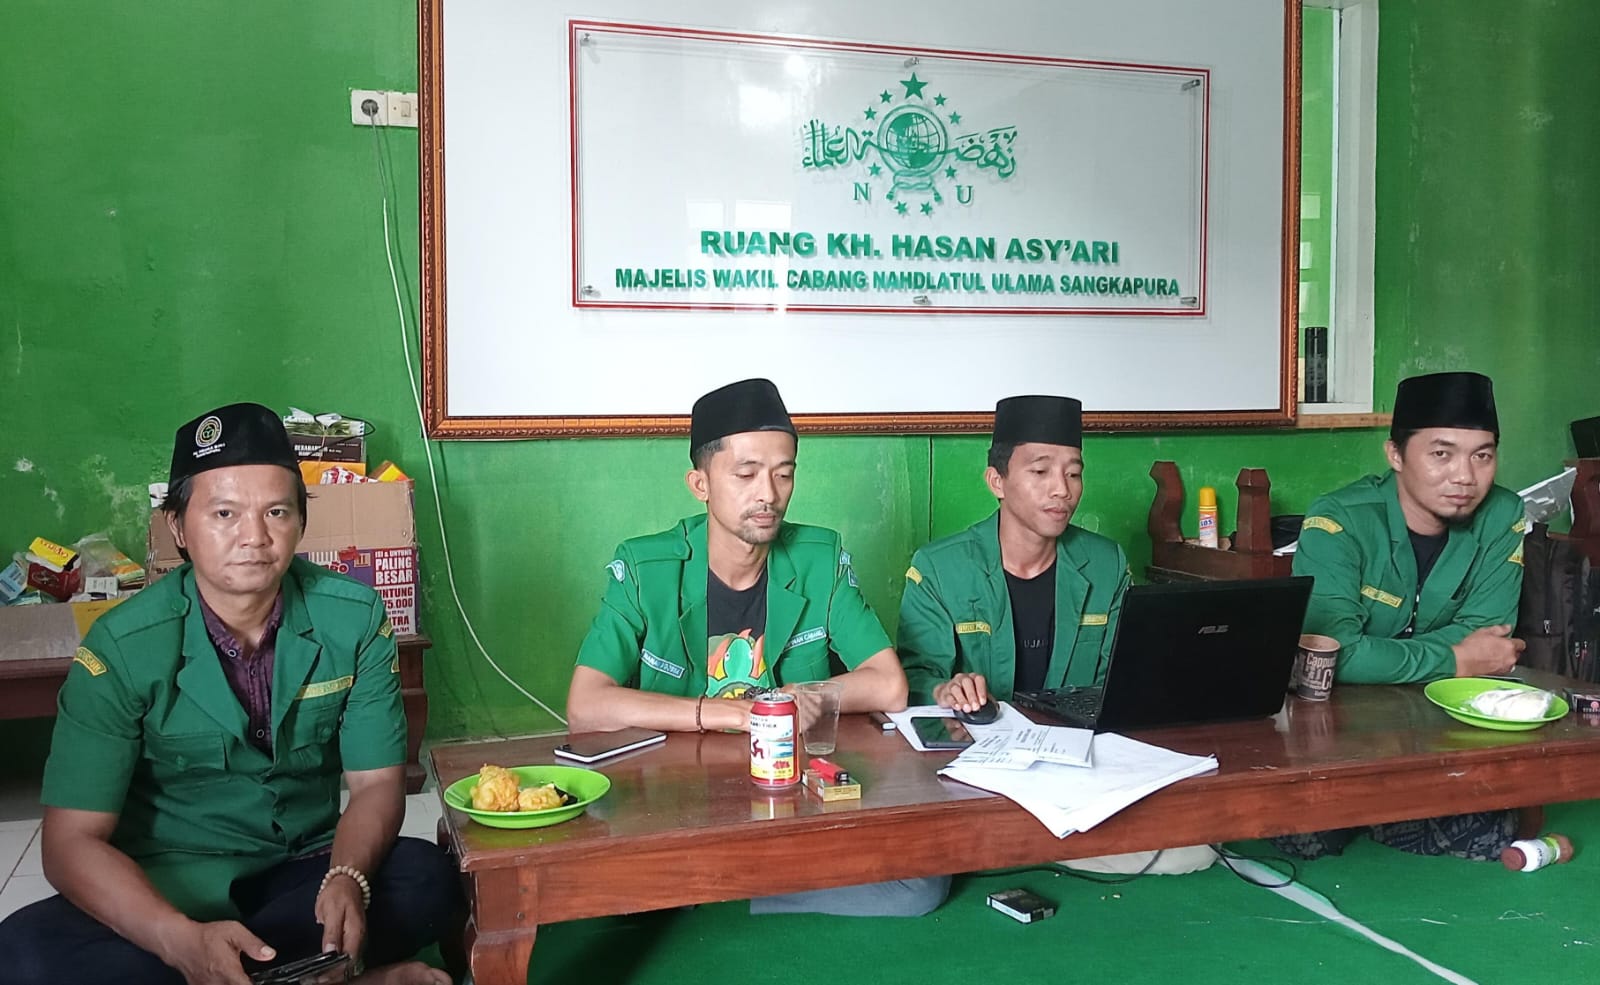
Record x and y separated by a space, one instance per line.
365 530
311 471
42 632
829 792
61 585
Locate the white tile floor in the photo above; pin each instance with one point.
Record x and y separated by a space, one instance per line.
22 873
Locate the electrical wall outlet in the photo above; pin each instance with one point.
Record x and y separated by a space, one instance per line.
379 100
403 109
393 109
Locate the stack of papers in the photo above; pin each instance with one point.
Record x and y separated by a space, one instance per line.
1021 748
1067 798
1070 779
1546 500
1007 731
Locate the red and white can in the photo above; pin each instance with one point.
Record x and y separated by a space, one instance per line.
774 733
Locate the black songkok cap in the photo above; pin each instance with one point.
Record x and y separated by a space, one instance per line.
1047 420
1445 400
749 405
238 434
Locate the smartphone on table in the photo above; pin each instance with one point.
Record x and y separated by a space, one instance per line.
942 733
591 747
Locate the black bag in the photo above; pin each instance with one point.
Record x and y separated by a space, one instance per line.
1558 615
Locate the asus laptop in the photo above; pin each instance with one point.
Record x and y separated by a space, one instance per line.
1188 653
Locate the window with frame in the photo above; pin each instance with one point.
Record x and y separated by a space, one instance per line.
1338 137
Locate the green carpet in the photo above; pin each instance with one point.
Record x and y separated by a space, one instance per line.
1476 919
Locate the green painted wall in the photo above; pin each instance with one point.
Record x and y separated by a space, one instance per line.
187 217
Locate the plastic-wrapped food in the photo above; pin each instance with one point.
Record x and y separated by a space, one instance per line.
101 559
1513 704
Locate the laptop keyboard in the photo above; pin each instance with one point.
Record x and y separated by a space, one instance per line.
1077 703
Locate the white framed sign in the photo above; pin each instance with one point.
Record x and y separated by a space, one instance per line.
814 175
624 207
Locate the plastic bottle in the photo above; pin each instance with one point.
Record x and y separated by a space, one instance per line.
1208 517
1536 853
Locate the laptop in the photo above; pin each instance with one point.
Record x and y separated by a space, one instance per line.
1187 653
1586 437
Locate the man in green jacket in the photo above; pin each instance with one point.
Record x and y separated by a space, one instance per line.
192 793
737 599
1418 574
1020 600
1418 571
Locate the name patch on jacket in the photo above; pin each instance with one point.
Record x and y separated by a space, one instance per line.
88 661
654 662
973 627
1321 523
1095 619
1379 595
801 639
322 689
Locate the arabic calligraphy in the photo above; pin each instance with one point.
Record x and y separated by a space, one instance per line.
989 150
841 145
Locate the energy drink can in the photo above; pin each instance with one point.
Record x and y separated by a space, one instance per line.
774 727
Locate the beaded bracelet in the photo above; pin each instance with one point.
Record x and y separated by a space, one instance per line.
354 873
699 703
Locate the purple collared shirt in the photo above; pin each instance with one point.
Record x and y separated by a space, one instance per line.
250 677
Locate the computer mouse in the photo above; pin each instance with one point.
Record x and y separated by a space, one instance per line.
983 716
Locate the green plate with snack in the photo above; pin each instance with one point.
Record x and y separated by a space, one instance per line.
1455 696
581 788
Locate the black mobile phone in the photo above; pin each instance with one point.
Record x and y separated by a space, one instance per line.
942 733
319 969
591 747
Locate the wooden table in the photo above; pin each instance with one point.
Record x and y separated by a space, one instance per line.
683 824
28 690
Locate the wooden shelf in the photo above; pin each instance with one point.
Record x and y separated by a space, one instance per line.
1173 560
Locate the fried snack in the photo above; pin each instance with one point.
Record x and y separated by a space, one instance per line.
539 798
496 790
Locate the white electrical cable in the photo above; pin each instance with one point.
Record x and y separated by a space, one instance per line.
1323 907
427 444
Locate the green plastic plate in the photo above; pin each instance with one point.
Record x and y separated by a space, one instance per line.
586 785
1454 695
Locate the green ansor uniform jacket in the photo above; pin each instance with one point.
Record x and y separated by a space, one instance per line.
955 615
148 729
650 632
1355 543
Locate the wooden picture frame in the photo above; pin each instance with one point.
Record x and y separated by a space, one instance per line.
435 325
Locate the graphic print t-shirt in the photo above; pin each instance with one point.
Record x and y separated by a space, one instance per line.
736 624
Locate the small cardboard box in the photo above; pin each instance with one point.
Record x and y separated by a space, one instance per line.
312 471
364 530
815 784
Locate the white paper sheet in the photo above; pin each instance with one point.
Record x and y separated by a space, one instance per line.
1067 798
